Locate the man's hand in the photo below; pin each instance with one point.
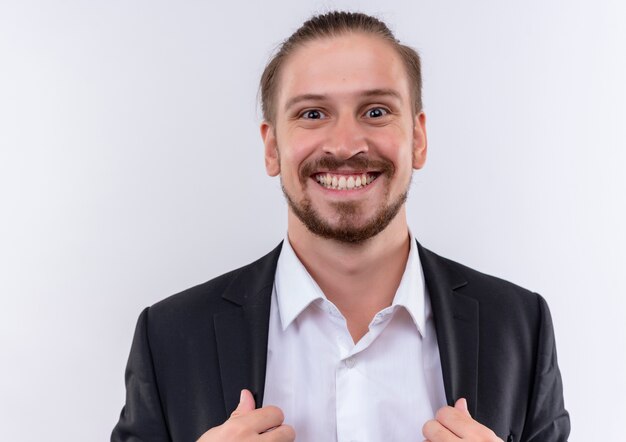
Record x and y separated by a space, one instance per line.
248 425
456 424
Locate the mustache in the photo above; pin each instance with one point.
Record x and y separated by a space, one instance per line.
358 162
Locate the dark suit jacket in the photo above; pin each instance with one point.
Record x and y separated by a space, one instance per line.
193 353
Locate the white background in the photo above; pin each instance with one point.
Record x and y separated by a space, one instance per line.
131 168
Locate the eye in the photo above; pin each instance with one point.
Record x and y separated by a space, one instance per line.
376 112
312 114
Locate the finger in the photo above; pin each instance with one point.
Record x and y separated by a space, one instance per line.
434 431
246 404
460 423
456 420
461 404
283 433
262 419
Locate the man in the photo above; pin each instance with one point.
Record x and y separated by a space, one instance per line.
349 330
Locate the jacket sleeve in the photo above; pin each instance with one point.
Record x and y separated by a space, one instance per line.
547 420
142 417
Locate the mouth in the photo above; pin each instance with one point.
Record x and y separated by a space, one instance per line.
345 181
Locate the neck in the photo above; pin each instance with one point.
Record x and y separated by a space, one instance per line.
360 279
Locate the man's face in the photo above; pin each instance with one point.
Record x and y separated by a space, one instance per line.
345 139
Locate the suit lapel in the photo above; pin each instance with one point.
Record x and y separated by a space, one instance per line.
456 322
241 334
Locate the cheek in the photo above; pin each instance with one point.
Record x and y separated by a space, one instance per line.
394 145
296 147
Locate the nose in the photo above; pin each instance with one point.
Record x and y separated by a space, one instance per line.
346 138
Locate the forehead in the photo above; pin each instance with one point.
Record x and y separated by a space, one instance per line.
343 66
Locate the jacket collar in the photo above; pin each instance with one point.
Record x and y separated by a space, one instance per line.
242 334
456 322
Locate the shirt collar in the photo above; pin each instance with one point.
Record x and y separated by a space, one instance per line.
296 289
411 292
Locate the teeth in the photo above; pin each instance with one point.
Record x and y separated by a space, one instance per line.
350 183
343 182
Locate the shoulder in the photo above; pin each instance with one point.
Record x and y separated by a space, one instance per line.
487 285
495 296
221 294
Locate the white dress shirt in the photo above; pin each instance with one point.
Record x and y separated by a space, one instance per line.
383 388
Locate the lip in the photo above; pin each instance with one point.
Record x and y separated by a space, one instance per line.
345 172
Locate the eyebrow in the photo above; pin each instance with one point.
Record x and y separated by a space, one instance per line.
368 93
304 97
382 93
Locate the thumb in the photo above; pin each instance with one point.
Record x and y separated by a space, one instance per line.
246 404
461 404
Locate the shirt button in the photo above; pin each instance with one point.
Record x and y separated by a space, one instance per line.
350 362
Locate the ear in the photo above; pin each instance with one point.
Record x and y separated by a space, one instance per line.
272 160
420 142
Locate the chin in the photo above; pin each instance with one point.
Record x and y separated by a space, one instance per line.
345 228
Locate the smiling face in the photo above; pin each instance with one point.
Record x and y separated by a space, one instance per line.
345 138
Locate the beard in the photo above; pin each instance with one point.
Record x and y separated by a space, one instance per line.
346 229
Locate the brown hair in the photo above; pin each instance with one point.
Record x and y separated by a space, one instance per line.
333 24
